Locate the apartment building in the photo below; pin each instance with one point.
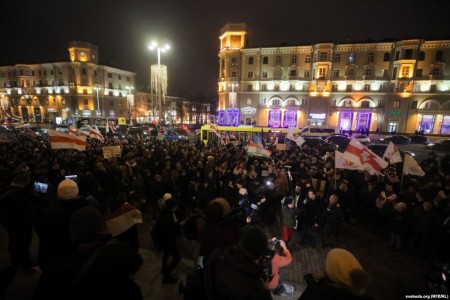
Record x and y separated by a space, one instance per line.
398 86
68 90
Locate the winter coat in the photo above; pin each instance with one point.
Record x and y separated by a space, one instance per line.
325 289
278 262
288 216
231 275
107 277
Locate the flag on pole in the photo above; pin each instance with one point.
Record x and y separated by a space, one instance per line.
358 153
392 154
256 150
95 133
295 137
60 140
342 162
410 166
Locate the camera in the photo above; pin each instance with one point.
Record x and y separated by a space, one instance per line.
41 187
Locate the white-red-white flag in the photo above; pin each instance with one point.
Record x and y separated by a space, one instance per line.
60 140
411 167
357 152
392 154
76 131
342 162
95 134
295 137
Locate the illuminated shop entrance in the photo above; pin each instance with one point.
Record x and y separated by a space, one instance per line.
363 121
393 126
445 127
345 120
426 123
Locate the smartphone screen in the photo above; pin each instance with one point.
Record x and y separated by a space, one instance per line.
72 177
41 187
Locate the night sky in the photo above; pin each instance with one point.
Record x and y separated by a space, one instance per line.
40 30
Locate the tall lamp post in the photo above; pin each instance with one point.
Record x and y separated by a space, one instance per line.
159 75
97 87
130 101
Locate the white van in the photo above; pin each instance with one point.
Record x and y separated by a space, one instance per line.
319 131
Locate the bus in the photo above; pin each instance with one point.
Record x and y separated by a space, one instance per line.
245 134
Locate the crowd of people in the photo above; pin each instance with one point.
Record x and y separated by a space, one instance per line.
213 193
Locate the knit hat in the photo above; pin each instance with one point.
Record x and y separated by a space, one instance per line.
253 242
343 268
86 223
243 191
67 189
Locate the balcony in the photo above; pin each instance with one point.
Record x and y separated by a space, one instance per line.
293 77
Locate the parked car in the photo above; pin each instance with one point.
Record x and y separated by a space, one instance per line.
334 142
35 129
397 139
363 139
419 139
440 145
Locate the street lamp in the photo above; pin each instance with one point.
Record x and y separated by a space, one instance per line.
159 75
130 101
154 46
97 87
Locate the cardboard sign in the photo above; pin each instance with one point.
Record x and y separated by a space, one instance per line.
111 151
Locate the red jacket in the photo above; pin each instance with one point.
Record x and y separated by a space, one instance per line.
278 262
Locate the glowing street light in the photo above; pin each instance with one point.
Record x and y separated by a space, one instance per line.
97 87
159 75
130 100
154 46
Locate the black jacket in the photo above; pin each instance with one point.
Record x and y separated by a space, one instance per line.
231 275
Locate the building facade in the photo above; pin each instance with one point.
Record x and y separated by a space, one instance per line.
78 88
400 86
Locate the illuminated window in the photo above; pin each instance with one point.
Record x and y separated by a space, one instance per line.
265 60
294 59
337 58
387 56
308 59
323 56
250 60
405 72
278 60
370 57
322 73
396 104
